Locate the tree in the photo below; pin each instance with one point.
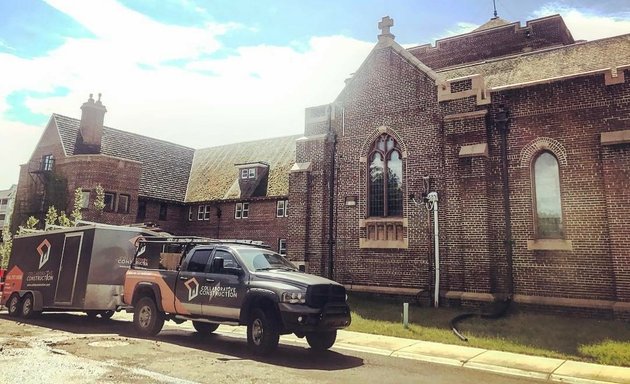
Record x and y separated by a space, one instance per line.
31 223
5 247
99 203
51 216
76 214
64 221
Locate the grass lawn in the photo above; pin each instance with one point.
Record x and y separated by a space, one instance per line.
589 340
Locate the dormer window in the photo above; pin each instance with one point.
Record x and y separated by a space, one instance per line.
248 173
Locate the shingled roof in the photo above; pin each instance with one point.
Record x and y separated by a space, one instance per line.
548 64
214 175
165 166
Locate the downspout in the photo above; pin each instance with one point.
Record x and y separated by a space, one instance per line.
433 201
331 194
501 121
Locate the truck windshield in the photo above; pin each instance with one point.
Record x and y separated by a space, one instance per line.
261 260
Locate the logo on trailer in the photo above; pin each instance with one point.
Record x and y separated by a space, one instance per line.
193 288
44 251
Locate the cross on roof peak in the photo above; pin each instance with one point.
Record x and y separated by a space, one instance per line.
384 25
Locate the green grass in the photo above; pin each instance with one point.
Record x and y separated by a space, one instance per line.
589 340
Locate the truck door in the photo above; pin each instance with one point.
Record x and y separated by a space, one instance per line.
227 290
190 280
68 268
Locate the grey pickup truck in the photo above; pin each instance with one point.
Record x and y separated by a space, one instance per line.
213 282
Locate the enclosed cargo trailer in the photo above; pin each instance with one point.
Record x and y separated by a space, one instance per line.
74 269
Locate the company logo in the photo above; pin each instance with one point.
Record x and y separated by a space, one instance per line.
44 251
193 288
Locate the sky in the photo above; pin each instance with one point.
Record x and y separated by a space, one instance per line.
203 73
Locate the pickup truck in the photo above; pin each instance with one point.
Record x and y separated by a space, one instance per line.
213 282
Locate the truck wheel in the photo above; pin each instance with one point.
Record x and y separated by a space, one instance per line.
262 332
146 317
321 341
14 305
27 306
205 328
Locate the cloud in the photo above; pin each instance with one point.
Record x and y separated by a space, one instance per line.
167 81
586 24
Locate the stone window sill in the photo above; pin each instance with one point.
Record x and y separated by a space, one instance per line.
549 245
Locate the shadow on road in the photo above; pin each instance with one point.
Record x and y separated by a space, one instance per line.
234 348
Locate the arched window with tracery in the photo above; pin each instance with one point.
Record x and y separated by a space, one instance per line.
547 201
385 180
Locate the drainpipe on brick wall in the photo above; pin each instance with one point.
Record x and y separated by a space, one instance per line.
331 195
501 121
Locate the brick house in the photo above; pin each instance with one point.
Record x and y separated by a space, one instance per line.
231 191
518 134
522 133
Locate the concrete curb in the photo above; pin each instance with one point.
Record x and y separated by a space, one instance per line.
506 363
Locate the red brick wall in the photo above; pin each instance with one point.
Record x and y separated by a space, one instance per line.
261 225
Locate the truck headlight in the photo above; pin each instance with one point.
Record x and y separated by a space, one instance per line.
293 297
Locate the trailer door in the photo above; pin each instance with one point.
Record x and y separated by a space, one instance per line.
68 268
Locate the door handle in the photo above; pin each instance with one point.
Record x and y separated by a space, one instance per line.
183 278
209 280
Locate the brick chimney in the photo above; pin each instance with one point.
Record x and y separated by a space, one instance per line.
91 128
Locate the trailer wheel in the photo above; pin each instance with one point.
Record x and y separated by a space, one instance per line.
205 328
14 305
27 306
262 332
147 320
321 341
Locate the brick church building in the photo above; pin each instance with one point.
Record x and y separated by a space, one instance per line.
493 164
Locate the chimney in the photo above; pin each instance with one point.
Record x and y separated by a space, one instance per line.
91 128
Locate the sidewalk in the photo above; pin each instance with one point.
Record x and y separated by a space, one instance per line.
554 370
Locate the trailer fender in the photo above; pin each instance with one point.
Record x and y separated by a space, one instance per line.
148 289
38 301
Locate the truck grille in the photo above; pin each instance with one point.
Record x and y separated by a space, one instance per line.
317 296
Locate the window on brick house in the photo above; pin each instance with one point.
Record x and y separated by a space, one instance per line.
547 198
241 211
163 210
48 161
203 212
282 246
85 199
282 208
123 203
191 213
110 201
142 210
385 180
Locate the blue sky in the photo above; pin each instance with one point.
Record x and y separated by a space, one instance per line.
204 73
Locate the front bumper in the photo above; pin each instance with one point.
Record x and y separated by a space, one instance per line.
301 318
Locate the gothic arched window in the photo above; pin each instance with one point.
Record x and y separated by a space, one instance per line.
547 201
385 179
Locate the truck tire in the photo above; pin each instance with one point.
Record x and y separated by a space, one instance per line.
262 332
147 320
27 311
321 341
14 305
205 328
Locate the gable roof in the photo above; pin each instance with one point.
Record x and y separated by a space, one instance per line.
548 64
165 166
214 174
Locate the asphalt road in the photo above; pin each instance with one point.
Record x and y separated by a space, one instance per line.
69 348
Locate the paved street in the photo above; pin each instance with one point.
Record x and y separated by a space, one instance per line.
59 348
